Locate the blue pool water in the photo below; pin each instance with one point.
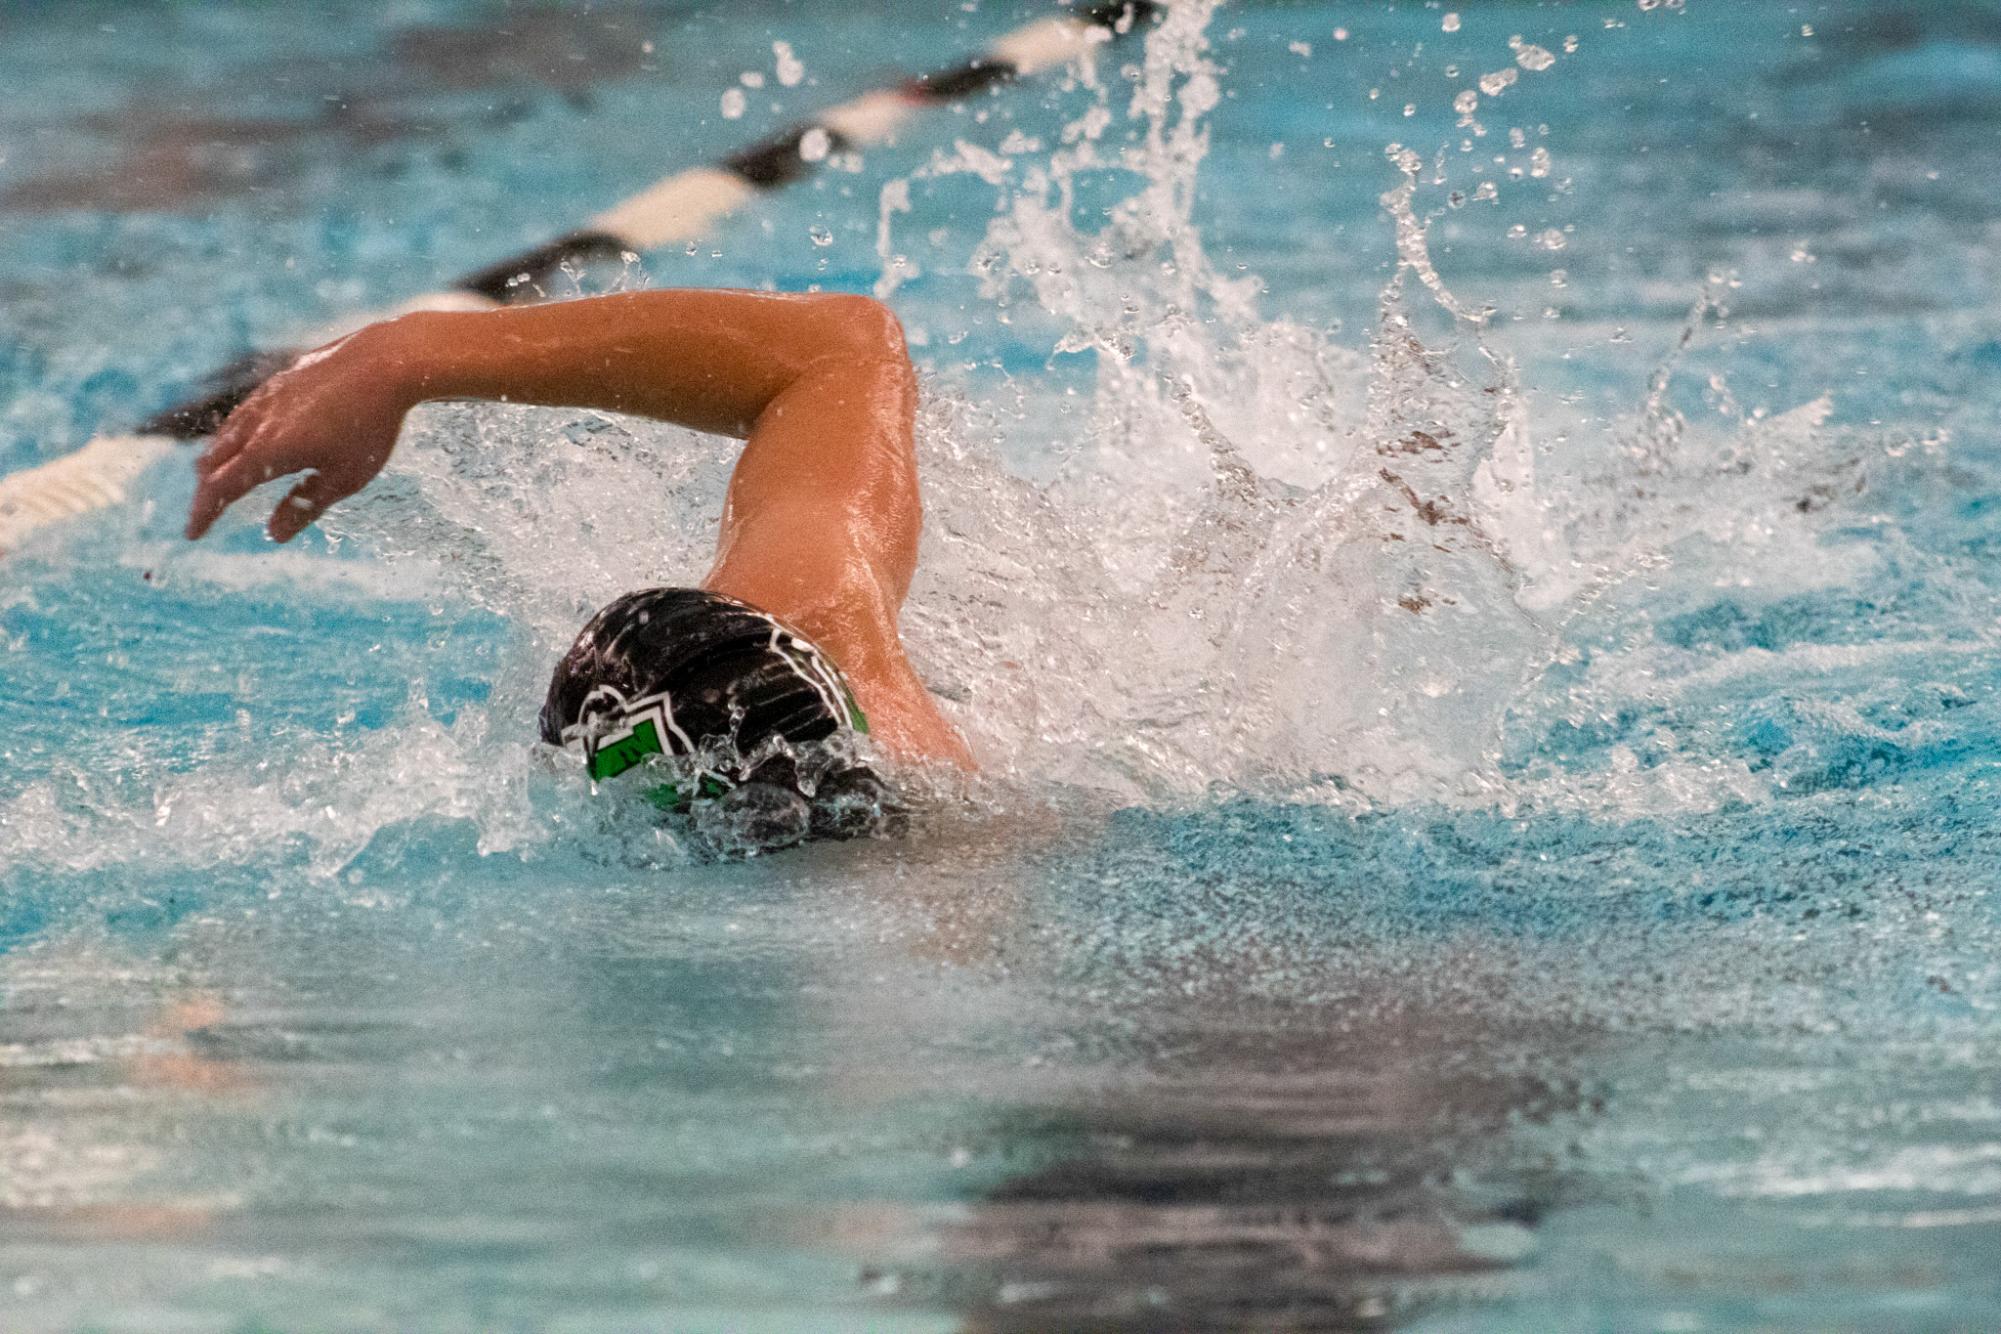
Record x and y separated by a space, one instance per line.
1567 905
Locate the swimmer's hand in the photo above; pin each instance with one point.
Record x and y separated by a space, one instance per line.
333 415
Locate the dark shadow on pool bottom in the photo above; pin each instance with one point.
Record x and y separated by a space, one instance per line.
1275 1178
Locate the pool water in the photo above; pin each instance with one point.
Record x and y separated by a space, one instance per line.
1464 539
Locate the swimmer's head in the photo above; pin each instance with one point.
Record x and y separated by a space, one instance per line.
750 720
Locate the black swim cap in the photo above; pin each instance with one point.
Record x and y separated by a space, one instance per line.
685 672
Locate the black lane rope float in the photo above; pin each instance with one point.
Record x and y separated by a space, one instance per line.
679 208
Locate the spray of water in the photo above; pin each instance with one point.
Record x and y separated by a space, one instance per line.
1287 562
1274 562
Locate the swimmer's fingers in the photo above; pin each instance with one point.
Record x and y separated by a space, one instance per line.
218 489
227 442
222 470
303 504
237 429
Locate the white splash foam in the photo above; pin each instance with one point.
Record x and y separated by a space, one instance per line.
1275 561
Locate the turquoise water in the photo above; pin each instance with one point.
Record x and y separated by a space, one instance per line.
1606 944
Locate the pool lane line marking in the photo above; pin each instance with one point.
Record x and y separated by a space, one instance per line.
681 207
94 477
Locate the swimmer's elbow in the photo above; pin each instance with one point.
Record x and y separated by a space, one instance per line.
867 330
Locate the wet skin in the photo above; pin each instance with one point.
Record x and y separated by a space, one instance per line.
821 524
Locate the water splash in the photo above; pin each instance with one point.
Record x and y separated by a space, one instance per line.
1276 561
1298 562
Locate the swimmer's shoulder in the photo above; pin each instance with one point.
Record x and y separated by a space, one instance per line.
854 623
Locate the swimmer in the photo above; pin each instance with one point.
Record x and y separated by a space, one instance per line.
792 636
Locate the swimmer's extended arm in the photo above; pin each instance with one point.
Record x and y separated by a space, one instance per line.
823 517
712 360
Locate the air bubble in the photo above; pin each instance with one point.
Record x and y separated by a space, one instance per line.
821 236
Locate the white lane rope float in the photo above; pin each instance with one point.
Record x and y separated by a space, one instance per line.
679 208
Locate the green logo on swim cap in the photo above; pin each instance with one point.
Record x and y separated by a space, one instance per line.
617 754
634 747
636 732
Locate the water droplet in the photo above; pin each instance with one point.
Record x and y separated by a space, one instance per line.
1451 23
1534 58
1539 163
734 103
1493 85
1300 48
790 69
1340 34
814 145
1552 239
1466 103
751 78
821 236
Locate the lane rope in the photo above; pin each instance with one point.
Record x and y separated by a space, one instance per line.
681 207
